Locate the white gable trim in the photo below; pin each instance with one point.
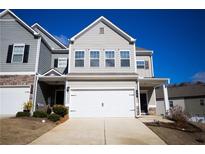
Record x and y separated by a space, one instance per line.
110 24
21 21
53 71
48 34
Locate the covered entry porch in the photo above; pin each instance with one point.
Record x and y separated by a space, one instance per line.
147 95
50 91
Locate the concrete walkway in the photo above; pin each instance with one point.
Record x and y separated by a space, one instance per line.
100 131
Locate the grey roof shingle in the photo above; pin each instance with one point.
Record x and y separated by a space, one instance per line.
183 91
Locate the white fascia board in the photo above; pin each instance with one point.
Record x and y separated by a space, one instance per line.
51 71
108 22
17 73
45 31
21 21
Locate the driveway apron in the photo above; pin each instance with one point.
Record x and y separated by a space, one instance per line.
99 131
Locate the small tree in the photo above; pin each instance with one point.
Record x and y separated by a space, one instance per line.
177 114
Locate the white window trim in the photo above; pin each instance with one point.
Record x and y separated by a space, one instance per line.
124 58
14 45
94 58
62 58
80 58
110 58
141 61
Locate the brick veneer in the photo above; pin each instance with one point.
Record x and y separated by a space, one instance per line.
16 79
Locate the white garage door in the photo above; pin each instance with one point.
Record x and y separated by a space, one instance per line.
12 99
102 103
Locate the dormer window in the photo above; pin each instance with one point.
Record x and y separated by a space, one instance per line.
102 30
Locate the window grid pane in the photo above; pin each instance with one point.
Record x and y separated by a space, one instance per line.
79 55
141 64
109 54
94 54
62 62
124 54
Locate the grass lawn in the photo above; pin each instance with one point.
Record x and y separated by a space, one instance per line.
174 136
22 130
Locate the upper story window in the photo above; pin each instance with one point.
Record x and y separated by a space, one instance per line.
94 58
125 58
109 58
102 30
62 62
79 58
142 64
18 53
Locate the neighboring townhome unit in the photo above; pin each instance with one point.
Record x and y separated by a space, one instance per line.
189 96
26 53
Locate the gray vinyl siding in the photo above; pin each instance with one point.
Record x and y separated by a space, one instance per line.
55 56
110 40
48 40
145 72
12 32
42 95
44 59
193 107
161 105
7 16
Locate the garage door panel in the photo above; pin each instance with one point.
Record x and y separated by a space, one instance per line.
102 103
12 99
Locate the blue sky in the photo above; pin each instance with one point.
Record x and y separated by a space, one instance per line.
177 37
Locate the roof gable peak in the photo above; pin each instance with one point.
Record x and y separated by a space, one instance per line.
36 25
20 21
110 24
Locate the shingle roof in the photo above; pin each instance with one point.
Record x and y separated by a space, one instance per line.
183 91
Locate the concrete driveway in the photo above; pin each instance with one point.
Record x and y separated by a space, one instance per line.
100 131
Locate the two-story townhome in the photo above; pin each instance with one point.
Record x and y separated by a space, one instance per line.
100 74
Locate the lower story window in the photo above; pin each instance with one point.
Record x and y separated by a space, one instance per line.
171 104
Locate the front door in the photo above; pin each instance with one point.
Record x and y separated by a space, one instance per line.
59 97
143 100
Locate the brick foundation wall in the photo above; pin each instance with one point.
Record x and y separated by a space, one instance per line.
16 79
152 111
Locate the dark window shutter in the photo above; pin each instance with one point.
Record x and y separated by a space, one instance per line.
56 62
9 54
26 54
146 65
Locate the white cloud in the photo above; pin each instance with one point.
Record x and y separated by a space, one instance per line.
62 38
200 76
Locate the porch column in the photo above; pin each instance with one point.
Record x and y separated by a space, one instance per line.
166 99
66 94
138 93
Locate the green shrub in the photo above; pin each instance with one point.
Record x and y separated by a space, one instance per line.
23 114
54 117
60 110
40 114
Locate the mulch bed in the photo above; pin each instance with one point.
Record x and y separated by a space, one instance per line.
185 127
